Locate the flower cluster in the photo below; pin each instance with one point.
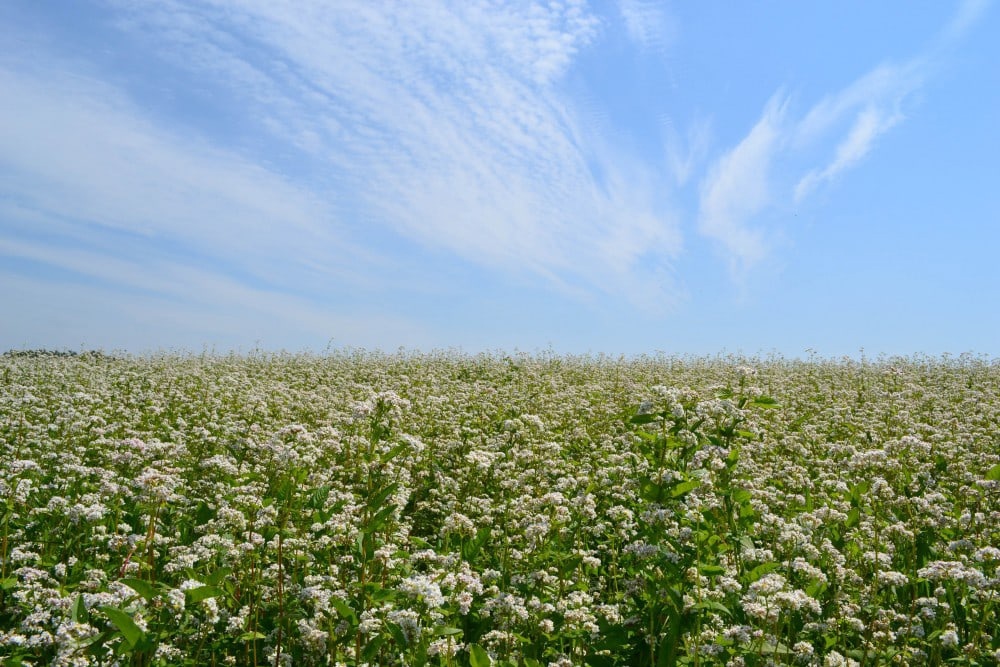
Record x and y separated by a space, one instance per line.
375 509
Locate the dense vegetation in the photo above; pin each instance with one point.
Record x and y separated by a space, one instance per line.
444 509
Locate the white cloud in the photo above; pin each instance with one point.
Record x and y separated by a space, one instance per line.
75 149
180 304
869 123
648 24
685 154
968 14
445 122
766 168
752 177
872 105
442 123
738 187
884 85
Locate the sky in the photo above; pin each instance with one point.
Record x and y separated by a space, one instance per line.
687 178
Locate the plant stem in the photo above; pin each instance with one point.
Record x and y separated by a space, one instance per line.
150 547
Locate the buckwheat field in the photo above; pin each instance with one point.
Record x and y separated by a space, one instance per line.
446 509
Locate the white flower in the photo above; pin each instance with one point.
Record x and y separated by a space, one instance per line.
424 588
803 649
175 598
370 624
445 646
408 621
950 636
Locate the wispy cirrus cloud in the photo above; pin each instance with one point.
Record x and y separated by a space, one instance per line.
277 163
91 188
868 124
442 122
968 14
766 168
76 149
341 148
860 114
686 152
649 23
738 187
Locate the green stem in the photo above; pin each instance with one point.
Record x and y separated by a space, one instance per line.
150 546
5 543
281 597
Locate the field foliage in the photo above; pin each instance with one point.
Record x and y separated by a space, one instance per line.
447 509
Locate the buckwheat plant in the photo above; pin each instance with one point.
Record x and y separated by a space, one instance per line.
362 508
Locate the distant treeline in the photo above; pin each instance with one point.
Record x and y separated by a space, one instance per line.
93 354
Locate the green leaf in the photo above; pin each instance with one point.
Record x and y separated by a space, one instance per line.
8 583
97 641
203 514
741 496
285 490
376 501
317 499
344 609
252 636
380 519
218 576
397 635
709 570
132 633
712 605
674 443
644 418
993 474
765 402
380 594
858 491
763 569
394 452
447 632
361 543
145 589
196 595
614 638
670 641
676 599
685 487
775 649
472 548
816 589
421 542
478 657
79 614
650 490
373 647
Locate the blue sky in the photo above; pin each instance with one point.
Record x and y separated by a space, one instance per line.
618 177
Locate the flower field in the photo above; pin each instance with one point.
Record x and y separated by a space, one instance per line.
445 509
